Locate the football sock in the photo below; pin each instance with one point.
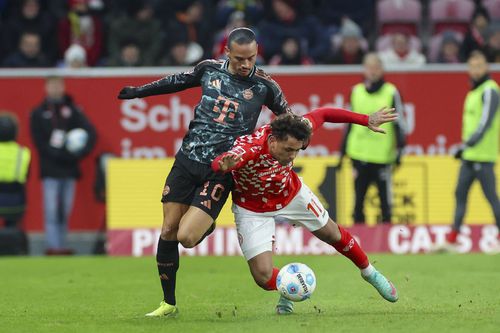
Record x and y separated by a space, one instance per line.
167 259
368 270
271 284
348 247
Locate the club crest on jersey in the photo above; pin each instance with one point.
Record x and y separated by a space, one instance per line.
247 94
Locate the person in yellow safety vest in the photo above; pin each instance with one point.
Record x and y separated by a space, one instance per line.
14 165
479 148
373 156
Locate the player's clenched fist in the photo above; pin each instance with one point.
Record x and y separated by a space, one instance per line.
127 93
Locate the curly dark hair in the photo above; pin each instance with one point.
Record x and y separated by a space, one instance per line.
291 125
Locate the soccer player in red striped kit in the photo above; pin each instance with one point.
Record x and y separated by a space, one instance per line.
266 187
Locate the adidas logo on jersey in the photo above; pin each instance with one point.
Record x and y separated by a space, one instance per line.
216 84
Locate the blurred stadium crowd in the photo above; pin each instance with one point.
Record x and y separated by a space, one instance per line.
132 33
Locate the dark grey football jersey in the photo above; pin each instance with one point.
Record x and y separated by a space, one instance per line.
229 107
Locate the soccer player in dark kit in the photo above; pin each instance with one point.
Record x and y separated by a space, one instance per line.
233 93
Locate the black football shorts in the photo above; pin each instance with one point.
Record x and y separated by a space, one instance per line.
196 184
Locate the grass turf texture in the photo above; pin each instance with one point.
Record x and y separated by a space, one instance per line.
438 293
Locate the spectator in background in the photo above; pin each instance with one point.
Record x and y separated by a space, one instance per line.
287 20
350 51
28 54
401 53
492 49
291 54
140 26
475 38
192 23
251 9
14 166
479 149
83 28
130 56
332 13
373 156
177 55
75 57
449 52
59 170
28 16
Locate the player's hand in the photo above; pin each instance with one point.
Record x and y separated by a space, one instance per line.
127 93
458 154
397 162
229 161
380 117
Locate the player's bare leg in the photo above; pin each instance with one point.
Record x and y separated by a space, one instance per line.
264 274
261 268
346 245
194 226
167 257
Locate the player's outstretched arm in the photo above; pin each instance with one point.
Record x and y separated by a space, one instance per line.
382 116
169 84
229 162
235 158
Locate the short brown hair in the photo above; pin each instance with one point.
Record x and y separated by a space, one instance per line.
477 54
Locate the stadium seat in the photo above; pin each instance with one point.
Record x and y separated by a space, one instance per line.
384 42
435 45
399 16
493 7
450 15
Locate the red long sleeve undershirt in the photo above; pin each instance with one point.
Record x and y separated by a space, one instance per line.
335 115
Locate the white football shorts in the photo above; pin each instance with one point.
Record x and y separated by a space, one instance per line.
256 231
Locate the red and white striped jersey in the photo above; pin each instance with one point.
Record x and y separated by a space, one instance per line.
262 184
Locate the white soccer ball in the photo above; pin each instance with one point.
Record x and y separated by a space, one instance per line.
296 282
76 140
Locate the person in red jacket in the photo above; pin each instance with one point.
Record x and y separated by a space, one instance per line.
82 28
266 187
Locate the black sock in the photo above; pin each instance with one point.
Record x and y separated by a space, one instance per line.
167 259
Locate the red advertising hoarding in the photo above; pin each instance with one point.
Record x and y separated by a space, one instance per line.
154 126
397 239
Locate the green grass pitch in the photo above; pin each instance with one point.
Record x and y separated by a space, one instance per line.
438 293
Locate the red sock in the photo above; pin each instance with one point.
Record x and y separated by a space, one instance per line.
348 247
451 237
271 284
